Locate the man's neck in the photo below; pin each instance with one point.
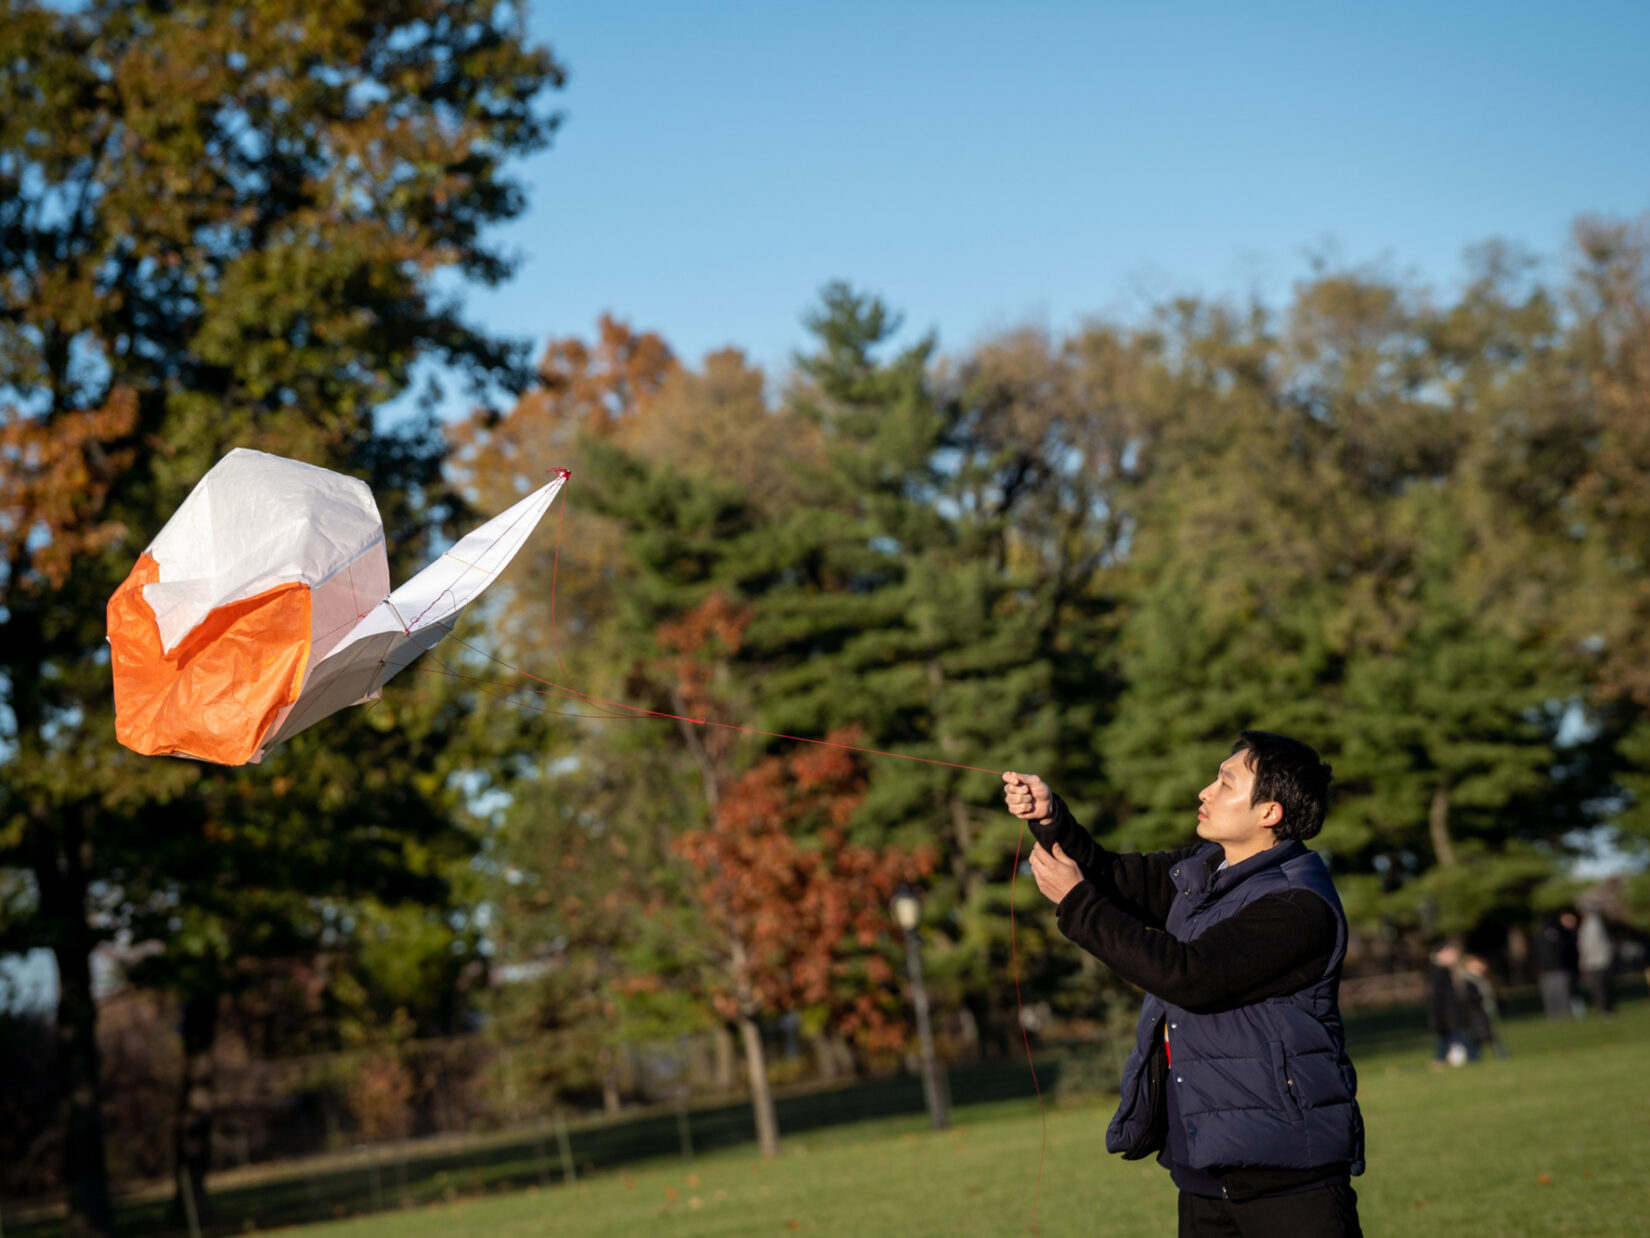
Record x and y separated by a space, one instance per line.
1237 853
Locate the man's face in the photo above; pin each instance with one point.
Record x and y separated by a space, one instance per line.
1227 817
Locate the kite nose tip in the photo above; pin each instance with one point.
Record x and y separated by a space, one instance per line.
564 474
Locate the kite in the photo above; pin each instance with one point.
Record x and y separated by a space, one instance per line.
264 605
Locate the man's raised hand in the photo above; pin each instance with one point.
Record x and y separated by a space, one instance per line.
1028 796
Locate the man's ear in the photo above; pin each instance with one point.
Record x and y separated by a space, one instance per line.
1272 815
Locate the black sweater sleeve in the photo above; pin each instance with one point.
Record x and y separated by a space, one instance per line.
1142 884
1277 944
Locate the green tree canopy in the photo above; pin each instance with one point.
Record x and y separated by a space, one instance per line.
219 225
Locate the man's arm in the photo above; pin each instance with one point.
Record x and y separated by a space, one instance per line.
1144 884
1277 944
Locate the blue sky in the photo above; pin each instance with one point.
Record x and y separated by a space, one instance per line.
982 166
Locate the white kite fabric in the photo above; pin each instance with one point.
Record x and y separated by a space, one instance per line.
264 606
413 619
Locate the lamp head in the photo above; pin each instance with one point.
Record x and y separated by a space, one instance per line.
907 907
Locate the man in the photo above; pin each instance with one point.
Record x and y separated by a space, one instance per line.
1239 1078
1555 958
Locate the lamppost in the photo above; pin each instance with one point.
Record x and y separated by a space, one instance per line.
907 908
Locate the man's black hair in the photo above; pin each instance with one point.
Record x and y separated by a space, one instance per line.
1292 774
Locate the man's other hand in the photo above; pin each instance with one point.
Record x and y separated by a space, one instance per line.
1028 796
1057 873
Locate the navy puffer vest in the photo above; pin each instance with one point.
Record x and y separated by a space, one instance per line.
1264 1086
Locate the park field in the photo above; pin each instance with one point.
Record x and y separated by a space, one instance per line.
1552 1140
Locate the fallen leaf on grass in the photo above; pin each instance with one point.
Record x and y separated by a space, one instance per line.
1544 1179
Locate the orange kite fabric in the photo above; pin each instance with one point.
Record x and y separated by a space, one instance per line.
218 692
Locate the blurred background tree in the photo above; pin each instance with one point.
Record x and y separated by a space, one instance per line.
220 225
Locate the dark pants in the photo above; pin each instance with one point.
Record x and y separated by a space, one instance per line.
1328 1212
1601 982
1555 994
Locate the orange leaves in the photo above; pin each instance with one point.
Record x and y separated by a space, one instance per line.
583 388
602 387
818 766
778 874
715 624
380 1096
55 474
701 640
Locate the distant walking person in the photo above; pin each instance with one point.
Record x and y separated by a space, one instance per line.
1555 959
1239 1080
1451 1047
1597 956
1481 1016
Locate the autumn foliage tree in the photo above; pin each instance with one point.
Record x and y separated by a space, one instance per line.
799 910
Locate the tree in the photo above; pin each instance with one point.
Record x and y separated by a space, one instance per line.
565 927
597 390
799 910
674 470
219 225
938 585
356 832
1354 531
1609 298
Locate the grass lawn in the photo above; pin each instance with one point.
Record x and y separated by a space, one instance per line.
1554 1140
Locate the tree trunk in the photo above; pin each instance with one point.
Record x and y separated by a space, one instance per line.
834 1057
611 1103
1438 825
991 1029
824 1052
1518 954
197 1105
724 1050
969 879
756 1070
60 871
695 743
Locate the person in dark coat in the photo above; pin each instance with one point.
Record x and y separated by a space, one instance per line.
1556 961
1239 1081
1444 1011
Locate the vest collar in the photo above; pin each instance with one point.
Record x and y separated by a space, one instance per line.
1201 873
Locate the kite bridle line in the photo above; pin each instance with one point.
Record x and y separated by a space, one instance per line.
628 711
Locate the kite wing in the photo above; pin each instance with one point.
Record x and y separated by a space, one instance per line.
414 618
